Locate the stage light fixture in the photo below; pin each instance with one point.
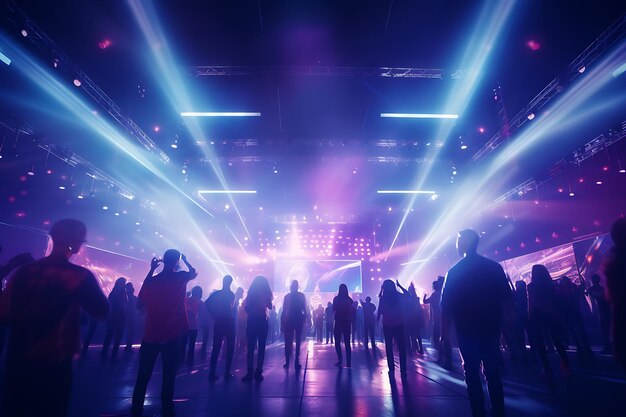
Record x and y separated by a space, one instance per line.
219 114
530 116
464 147
61 187
77 82
419 115
105 207
24 33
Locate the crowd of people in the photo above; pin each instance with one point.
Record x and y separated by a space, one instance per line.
476 306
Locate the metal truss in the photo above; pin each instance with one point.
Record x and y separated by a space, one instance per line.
61 60
577 67
585 152
386 72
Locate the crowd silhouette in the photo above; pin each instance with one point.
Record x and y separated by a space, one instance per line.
475 307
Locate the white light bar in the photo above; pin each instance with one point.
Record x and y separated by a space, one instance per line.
219 114
404 192
414 262
420 115
227 192
5 59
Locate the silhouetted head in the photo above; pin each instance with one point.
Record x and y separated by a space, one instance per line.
196 292
130 288
467 242
540 275
171 257
595 279
388 288
227 281
239 292
618 234
343 290
437 284
259 290
294 286
329 304
68 235
520 285
120 284
368 299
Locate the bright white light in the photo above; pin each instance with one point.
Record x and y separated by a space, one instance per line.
24 33
571 194
404 192
464 146
80 196
414 262
530 116
226 206
434 197
5 59
420 115
61 187
77 82
227 192
622 171
219 114
105 207
174 145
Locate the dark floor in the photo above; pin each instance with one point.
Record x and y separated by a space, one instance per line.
320 389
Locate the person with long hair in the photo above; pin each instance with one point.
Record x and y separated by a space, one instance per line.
391 308
118 300
343 307
257 304
543 316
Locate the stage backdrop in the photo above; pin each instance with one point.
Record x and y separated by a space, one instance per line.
318 276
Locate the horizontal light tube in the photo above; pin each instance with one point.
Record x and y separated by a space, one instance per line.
420 115
404 192
227 192
5 59
219 114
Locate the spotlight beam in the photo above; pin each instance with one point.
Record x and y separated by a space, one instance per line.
227 192
492 20
404 192
178 94
68 100
555 123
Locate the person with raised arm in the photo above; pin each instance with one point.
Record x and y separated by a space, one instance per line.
163 297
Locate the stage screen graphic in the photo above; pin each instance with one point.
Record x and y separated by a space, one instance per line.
591 254
107 266
559 260
318 276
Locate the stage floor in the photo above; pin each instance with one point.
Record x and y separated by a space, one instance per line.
321 390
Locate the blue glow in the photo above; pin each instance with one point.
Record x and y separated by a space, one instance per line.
227 192
420 115
404 192
5 59
219 114
492 20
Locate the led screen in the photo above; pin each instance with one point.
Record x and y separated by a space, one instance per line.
318 276
559 260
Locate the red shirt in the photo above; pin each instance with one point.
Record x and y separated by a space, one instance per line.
163 297
42 303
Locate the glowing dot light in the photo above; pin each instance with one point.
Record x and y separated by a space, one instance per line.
77 82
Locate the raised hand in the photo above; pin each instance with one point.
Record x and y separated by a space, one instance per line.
154 263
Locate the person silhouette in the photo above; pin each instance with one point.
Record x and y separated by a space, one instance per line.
343 307
413 319
318 321
5 270
193 303
597 293
369 322
543 316
615 273
257 304
163 297
329 318
41 305
434 301
473 298
118 302
131 317
220 305
391 309
295 314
